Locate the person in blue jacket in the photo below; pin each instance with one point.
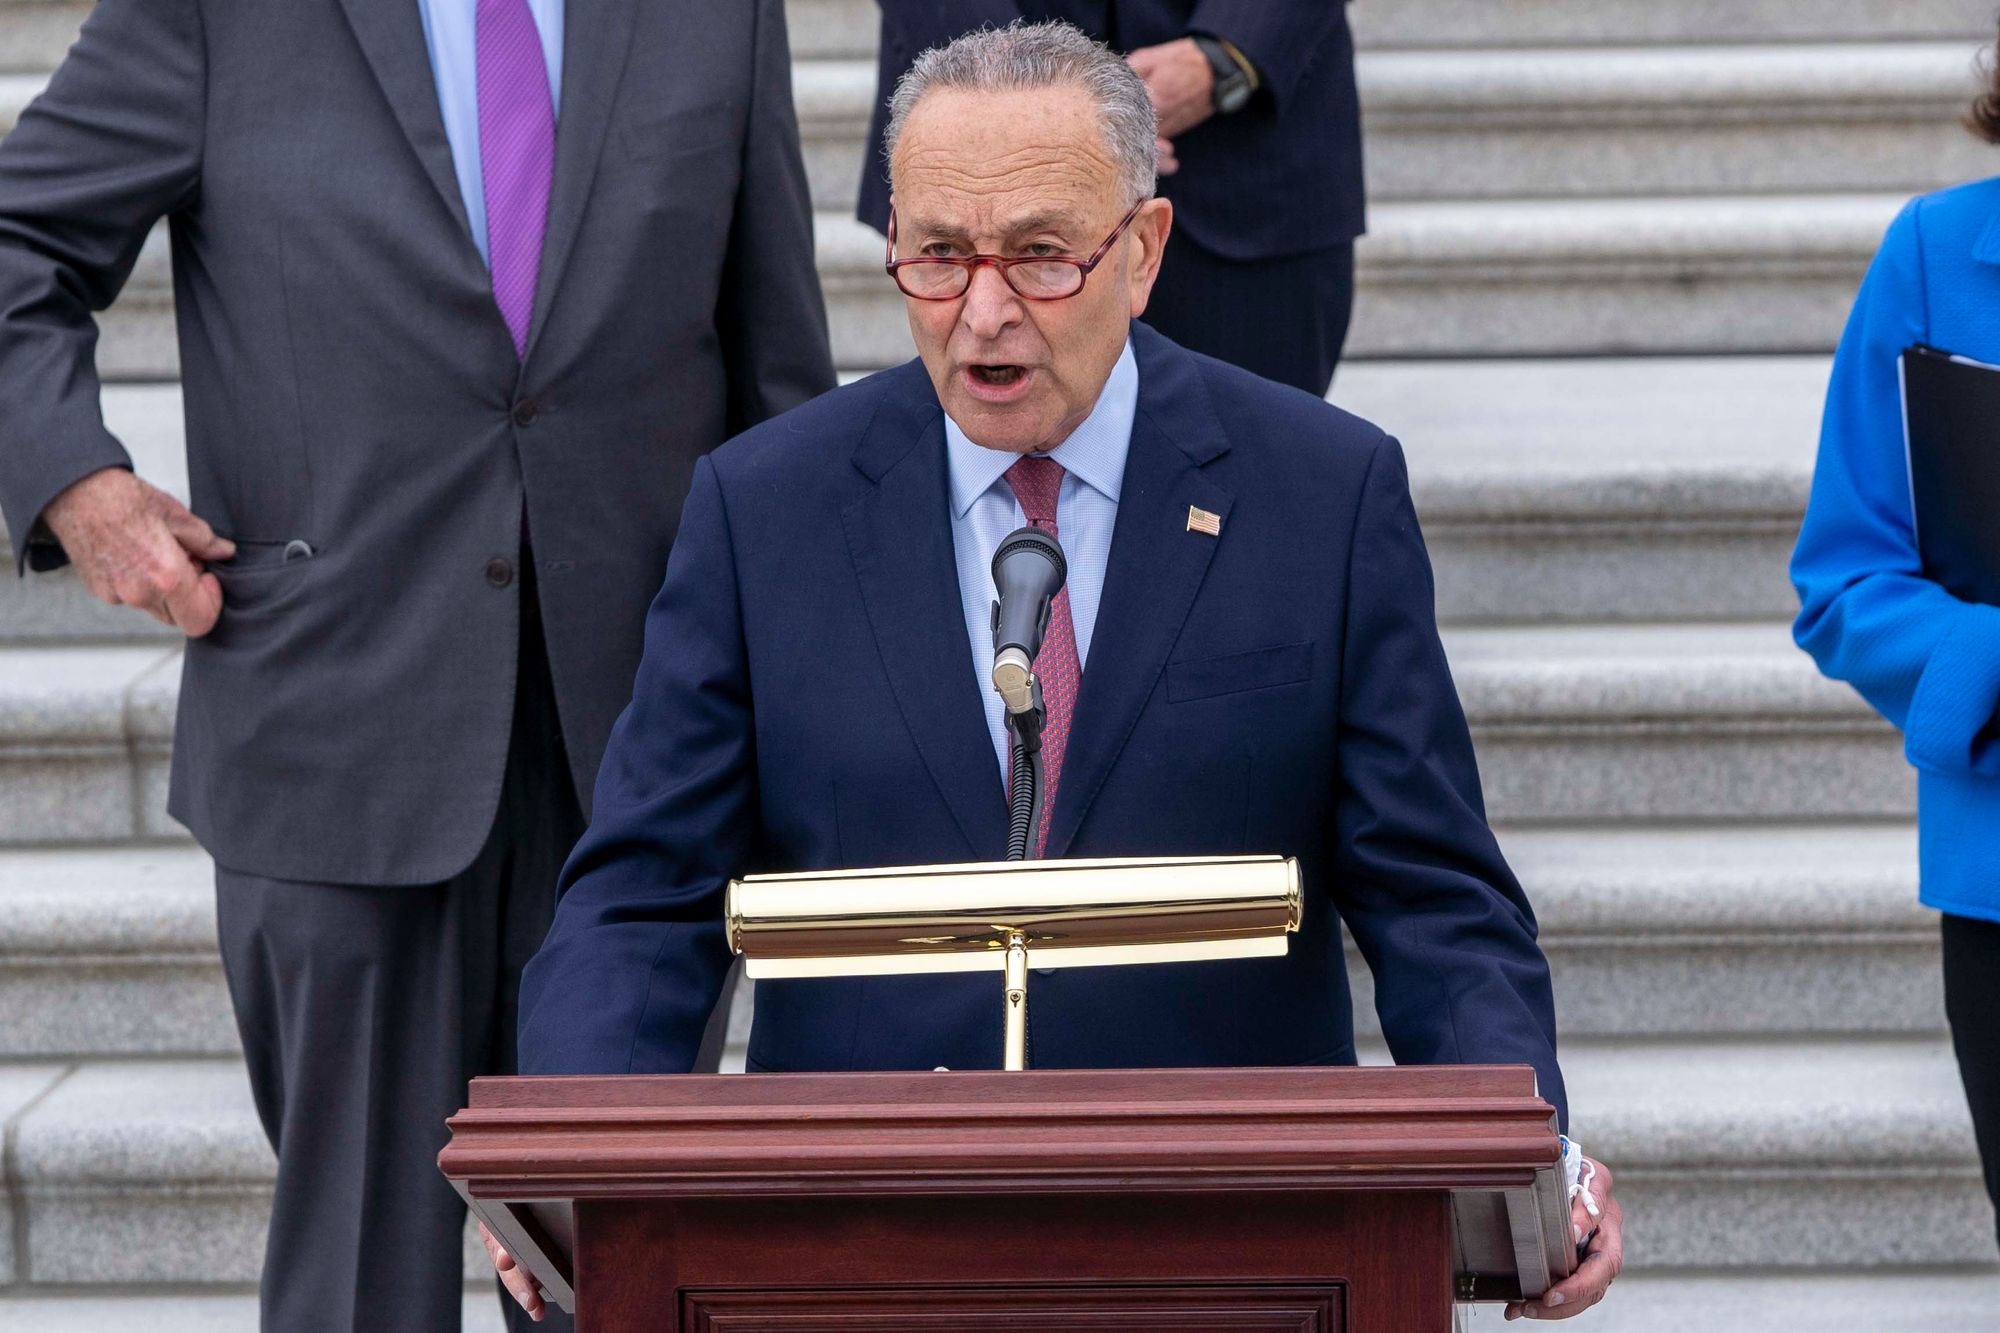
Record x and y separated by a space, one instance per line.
1925 660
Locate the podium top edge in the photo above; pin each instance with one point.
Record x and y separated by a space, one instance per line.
1133 1091
1015 867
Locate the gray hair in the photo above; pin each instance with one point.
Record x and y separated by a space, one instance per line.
1025 56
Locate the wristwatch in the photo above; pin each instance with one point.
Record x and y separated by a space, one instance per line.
1235 77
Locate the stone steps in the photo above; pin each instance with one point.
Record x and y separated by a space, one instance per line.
139 1173
1760 1154
1435 278
1453 278
1835 1302
34 34
1822 1153
1516 123
1767 929
1527 277
1649 722
835 28
110 951
1537 122
172 1310
1583 489
1603 488
1662 722
1668 120
85 735
1474 23
832 29
1672 931
1670 722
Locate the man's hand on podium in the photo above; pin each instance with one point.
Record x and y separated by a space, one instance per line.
1602 1262
512 1276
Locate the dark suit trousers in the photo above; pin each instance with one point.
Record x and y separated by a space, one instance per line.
364 1011
1284 319
1972 1003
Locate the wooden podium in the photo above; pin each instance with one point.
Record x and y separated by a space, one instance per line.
1222 1200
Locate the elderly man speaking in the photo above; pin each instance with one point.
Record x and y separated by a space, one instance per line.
1244 657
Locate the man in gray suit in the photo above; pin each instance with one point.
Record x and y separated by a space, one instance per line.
464 288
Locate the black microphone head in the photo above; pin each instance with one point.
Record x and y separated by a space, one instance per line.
1028 571
1037 540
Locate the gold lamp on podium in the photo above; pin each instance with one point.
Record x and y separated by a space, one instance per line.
1005 916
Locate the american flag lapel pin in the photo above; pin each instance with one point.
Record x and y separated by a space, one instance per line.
1200 520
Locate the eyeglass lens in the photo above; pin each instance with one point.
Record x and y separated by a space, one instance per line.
1031 280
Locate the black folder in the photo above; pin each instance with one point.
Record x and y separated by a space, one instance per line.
1951 421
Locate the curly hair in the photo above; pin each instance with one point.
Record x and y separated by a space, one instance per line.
1983 117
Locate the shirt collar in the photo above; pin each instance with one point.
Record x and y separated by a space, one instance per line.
1094 453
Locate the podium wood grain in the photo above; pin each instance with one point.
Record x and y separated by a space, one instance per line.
1254 1199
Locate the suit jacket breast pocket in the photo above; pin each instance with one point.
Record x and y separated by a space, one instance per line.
1234 673
681 130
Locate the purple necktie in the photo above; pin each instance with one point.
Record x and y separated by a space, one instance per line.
517 155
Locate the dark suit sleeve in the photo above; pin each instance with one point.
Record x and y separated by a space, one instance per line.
1421 883
772 319
635 959
111 146
1281 37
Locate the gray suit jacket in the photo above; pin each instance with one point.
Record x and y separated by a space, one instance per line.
349 381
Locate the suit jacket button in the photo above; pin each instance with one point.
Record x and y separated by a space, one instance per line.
499 572
524 412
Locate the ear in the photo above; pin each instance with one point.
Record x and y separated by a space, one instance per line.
1147 239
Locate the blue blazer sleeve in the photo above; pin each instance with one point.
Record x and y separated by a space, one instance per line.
1421 883
635 958
1925 660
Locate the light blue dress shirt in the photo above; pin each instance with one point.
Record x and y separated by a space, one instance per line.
984 511
451 36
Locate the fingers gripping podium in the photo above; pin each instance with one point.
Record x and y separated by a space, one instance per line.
1302 1198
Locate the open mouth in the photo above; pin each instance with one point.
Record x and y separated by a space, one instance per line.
998 377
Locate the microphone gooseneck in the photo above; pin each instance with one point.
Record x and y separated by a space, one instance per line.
1023 796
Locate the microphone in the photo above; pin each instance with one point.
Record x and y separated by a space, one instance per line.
1028 571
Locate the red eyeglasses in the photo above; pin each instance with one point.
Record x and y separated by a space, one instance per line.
1032 277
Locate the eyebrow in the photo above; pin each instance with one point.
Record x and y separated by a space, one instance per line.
1045 221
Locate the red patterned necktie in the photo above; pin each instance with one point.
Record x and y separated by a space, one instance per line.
1037 482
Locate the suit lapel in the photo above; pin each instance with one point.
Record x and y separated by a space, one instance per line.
1155 568
596 36
392 39
899 538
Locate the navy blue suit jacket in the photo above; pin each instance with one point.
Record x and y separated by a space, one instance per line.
1280 177
807 701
